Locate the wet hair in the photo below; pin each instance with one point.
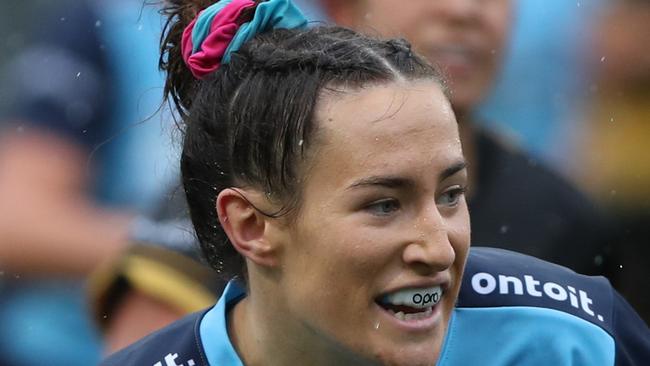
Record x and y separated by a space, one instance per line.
251 122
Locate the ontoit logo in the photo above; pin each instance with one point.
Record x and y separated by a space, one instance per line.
485 284
170 360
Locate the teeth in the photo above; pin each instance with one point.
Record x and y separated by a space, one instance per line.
419 298
415 316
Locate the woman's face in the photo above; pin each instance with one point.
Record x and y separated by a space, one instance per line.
465 37
383 224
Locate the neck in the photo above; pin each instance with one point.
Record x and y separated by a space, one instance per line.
263 333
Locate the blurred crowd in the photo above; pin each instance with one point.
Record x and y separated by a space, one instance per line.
96 249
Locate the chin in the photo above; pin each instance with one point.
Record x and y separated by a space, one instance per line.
424 355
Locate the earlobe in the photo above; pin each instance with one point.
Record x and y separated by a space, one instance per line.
246 226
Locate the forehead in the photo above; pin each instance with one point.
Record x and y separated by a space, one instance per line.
391 111
388 123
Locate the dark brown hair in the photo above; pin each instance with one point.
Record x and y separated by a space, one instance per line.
250 123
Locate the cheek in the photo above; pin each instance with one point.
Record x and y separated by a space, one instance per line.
392 19
497 26
459 231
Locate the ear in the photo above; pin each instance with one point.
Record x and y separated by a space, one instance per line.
344 12
246 226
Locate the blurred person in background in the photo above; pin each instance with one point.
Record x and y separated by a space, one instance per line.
160 278
80 155
516 202
613 157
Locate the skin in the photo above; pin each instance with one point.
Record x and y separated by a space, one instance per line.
382 209
49 224
466 38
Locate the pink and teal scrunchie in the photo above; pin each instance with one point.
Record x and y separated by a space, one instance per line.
209 39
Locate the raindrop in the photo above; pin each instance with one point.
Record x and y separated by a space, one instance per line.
493 51
504 229
140 27
17 276
300 142
578 4
20 129
62 19
611 119
620 266
377 326
598 260
79 74
602 59
98 23
105 316
613 192
84 131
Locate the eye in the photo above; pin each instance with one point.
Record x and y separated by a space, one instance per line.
383 207
451 196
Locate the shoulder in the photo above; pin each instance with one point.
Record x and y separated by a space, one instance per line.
501 159
498 277
523 187
534 311
176 344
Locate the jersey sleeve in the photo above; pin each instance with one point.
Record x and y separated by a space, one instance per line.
631 334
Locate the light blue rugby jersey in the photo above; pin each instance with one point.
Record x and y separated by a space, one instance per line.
512 310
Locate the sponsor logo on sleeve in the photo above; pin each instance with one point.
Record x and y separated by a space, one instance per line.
170 360
485 284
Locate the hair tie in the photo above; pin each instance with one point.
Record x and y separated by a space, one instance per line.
209 39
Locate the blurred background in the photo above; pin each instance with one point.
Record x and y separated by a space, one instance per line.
88 158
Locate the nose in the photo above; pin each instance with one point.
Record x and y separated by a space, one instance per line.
432 251
457 11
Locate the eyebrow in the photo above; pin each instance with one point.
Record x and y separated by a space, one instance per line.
400 182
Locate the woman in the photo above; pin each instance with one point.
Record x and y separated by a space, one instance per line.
325 169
